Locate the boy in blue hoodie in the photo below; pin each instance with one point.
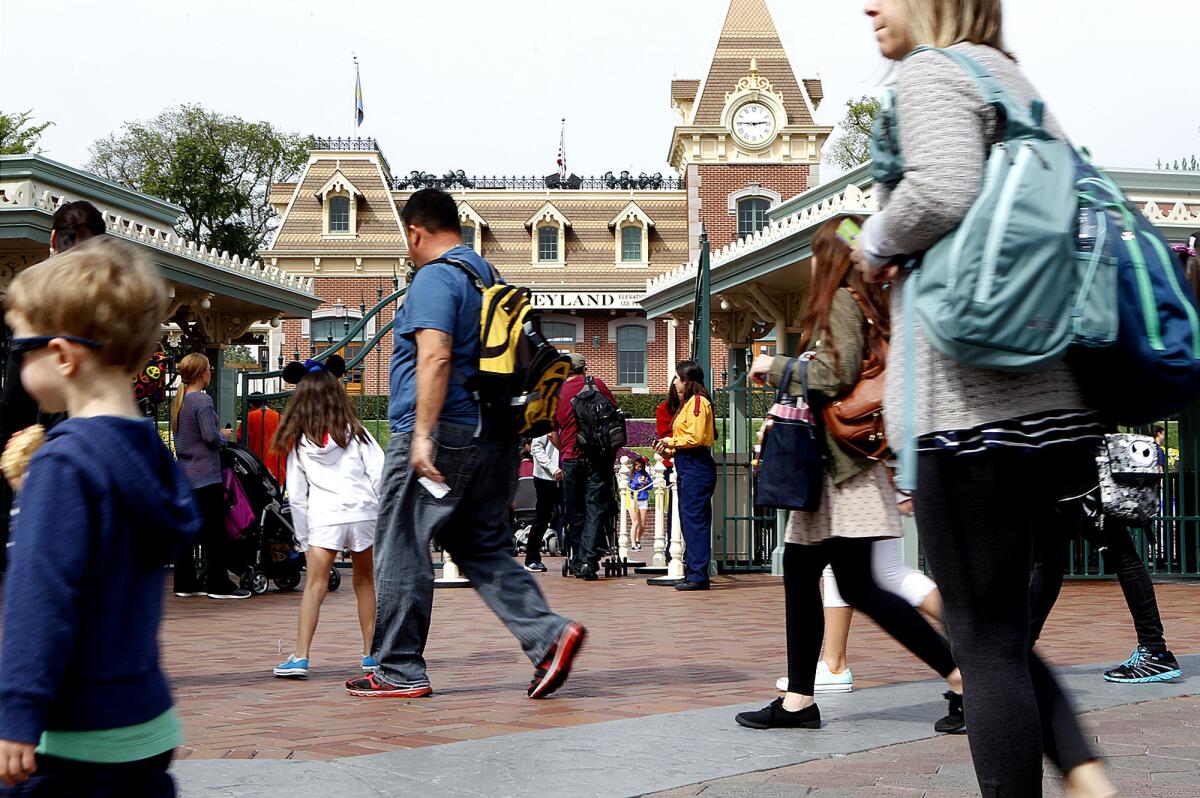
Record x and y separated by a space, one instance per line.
85 710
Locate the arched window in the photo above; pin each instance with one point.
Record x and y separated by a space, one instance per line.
560 334
631 244
752 215
631 356
548 244
339 214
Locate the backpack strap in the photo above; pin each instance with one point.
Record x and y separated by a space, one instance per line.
1017 120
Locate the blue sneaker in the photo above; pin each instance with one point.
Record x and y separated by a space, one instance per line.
293 668
1144 667
369 664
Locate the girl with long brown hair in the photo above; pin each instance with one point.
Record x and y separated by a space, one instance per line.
334 469
844 321
198 442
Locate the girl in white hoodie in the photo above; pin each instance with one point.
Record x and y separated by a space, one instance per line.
334 470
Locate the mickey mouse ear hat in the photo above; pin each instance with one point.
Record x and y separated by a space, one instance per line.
295 371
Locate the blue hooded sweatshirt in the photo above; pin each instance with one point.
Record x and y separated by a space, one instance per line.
102 510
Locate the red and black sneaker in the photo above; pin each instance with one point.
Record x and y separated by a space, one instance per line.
371 686
556 667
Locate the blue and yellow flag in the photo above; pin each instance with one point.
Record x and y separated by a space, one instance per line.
358 101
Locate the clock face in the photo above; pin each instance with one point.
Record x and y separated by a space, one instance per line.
754 124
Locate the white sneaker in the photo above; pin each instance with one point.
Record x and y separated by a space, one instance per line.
827 681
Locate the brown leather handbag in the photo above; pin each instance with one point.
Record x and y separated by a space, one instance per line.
856 420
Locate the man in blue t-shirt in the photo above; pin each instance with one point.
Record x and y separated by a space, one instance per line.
447 475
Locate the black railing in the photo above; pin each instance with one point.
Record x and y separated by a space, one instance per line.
347 145
609 181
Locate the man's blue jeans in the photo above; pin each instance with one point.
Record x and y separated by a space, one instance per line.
471 523
589 501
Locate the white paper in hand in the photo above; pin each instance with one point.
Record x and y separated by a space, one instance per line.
437 489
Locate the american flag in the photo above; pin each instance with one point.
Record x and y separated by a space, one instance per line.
358 100
562 151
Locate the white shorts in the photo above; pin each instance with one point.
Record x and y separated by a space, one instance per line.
891 574
356 536
644 505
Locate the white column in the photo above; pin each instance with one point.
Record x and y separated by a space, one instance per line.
623 472
660 513
678 548
672 330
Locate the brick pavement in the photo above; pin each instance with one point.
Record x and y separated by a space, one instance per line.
651 651
1151 748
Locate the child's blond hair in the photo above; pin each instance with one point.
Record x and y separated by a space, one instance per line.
100 289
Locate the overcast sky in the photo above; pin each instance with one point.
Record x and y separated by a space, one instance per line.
481 85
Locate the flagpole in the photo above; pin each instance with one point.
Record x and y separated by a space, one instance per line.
354 108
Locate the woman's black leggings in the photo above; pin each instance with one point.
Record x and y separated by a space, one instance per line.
979 517
851 561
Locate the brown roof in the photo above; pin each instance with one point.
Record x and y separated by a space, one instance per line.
749 32
378 230
816 92
281 193
684 89
590 242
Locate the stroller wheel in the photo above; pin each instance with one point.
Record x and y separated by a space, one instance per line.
566 568
255 581
286 582
335 580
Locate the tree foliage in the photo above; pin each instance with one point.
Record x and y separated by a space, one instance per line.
853 146
17 135
218 168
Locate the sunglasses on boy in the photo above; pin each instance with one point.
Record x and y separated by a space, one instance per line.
18 347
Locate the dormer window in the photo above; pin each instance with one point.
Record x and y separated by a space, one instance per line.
339 199
339 214
631 236
471 226
548 236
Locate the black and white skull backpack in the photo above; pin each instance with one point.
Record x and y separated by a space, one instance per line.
1130 477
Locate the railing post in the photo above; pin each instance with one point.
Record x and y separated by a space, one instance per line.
660 514
451 576
675 567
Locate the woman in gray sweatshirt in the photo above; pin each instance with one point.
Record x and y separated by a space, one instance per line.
996 451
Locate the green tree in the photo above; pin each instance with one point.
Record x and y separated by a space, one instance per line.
239 355
17 136
853 146
218 168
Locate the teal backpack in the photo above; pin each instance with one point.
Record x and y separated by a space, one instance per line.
1003 290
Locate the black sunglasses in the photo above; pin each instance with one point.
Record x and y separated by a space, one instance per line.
22 346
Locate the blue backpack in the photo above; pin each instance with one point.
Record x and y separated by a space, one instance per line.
1153 370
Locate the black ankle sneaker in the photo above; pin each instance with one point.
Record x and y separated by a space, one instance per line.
774 716
955 721
1145 666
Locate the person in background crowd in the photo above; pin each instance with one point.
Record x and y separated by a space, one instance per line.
198 441
843 322
334 470
73 223
891 574
587 482
640 483
448 474
85 709
547 483
258 432
1160 443
664 416
690 447
997 451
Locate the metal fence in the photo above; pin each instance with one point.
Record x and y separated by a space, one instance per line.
745 535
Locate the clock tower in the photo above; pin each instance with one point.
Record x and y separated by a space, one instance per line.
748 138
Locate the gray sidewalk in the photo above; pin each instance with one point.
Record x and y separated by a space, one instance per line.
631 757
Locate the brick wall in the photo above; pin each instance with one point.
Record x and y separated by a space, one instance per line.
718 181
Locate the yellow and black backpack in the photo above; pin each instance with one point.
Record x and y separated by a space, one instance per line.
520 373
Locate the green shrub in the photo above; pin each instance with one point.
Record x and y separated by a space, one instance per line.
639 405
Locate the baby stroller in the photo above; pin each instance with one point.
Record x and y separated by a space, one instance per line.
267 550
606 542
524 509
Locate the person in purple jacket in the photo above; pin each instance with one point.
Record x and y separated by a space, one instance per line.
85 709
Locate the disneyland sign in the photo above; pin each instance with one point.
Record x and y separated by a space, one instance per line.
586 300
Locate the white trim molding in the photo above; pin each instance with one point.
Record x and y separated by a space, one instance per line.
469 217
548 216
632 321
756 191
